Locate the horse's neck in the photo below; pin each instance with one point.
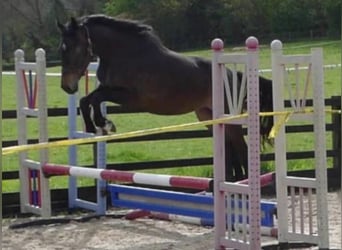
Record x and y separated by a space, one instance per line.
101 42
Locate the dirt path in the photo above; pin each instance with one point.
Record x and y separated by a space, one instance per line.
107 233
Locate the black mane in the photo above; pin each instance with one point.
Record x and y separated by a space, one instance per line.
141 33
122 25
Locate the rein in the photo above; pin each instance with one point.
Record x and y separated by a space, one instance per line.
89 47
90 44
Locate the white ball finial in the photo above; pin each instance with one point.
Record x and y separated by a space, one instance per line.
40 54
276 45
19 53
217 44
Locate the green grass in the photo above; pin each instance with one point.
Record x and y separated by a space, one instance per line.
156 150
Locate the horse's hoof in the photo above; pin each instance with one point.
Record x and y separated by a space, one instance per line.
100 131
109 127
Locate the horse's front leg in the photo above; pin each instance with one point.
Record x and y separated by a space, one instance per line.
85 111
94 100
106 126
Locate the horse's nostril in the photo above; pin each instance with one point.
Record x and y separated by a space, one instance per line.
65 88
68 90
69 82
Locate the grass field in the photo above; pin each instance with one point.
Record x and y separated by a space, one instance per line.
145 151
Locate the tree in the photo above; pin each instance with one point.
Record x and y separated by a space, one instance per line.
181 24
166 17
333 15
31 24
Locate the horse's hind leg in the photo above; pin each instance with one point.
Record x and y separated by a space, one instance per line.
239 151
232 163
236 148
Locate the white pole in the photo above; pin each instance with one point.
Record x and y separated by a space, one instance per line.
279 142
219 144
21 126
253 142
43 131
320 146
341 136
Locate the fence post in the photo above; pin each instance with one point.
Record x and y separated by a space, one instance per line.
44 186
336 132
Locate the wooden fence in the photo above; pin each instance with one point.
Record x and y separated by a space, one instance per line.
59 196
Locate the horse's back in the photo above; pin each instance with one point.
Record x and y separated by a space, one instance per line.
165 82
181 84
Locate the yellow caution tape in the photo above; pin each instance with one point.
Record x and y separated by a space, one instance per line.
285 116
276 127
70 142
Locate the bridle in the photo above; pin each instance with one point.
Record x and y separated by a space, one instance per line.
90 52
90 44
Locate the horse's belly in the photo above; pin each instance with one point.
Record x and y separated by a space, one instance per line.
177 105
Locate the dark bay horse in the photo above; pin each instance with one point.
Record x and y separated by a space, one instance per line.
138 72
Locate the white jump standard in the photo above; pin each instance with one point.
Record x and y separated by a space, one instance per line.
34 187
227 192
316 229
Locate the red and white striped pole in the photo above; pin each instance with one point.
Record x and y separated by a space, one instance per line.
198 183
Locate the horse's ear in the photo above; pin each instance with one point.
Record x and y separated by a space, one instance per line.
60 26
73 23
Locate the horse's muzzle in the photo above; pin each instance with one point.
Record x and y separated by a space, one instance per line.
69 83
69 90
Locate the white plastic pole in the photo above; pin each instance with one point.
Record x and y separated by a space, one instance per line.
279 142
320 147
43 131
340 133
219 144
253 143
21 126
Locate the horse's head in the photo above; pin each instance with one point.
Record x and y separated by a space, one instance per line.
76 53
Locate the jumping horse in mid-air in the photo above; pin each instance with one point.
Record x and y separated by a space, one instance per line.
138 72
